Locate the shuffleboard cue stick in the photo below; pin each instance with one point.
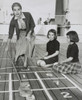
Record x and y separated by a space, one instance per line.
26 86
15 68
14 65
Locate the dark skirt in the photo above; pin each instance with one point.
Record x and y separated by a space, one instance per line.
50 60
68 68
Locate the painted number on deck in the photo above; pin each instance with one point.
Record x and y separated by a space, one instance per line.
66 94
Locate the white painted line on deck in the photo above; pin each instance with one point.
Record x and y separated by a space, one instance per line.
9 92
4 58
46 91
4 73
4 91
52 78
72 82
61 88
58 88
24 72
40 90
41 79
4 81
6 68
35 71
10 87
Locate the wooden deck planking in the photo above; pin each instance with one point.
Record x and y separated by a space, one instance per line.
4 96
16 96
40 95
56 94
72 92
4 85
74 78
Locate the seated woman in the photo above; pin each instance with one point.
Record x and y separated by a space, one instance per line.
52 50
71 64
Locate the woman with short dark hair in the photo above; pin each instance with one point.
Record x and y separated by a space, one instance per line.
71 64
52 50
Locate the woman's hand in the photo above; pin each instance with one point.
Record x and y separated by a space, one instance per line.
45 58
61 62
66 60
28 37
56 63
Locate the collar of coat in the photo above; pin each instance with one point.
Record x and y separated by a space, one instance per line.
22 16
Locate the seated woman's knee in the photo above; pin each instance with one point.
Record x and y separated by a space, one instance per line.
38 62
42 64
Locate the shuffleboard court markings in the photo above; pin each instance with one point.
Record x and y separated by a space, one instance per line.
10 87
49 96
76 78
50 89
56 88
71 94
3 85
52 92
51 84
28 75
67 88
72 82
67 92
6 68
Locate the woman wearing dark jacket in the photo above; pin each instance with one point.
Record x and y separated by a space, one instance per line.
24 25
